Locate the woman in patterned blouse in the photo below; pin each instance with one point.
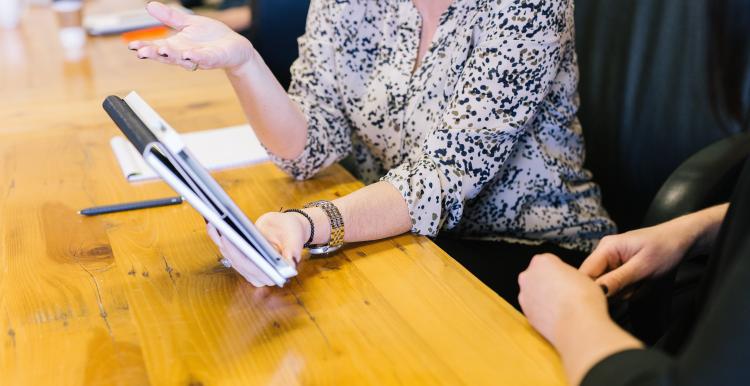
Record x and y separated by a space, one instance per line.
460 115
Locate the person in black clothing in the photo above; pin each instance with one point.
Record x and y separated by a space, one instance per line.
570 309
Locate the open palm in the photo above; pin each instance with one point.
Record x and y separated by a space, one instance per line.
200 41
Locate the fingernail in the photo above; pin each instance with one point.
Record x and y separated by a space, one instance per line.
604 288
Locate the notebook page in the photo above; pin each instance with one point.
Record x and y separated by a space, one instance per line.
215 149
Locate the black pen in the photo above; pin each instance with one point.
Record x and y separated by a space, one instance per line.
130 206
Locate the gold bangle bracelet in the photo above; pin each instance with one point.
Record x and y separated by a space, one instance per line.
337 228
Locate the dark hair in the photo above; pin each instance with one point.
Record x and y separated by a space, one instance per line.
729 60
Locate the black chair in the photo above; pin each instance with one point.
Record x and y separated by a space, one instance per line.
653 142
274 31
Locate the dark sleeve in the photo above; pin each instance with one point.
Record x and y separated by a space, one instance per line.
191 3
718 352
630 367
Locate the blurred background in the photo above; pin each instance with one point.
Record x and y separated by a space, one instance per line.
69 46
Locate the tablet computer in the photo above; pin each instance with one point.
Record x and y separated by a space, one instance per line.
163 150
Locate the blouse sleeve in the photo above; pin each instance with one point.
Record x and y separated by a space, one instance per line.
503 82
315 90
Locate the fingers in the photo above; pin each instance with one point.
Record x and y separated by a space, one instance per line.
168 16
621 277
286 246
243 265
541 268
599 261
291 252
166 51
545 259
136 44
538 263
206 57
596 264
213 234
254 282
160 51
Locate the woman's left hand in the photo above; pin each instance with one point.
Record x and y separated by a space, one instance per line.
200 42
287 232
554 295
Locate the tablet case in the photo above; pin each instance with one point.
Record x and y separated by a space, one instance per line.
161 147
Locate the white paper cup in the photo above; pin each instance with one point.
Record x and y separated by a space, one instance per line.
69 13
72 35
73 40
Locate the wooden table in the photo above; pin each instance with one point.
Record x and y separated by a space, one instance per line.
139 298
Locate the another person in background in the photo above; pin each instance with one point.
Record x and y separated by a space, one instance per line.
461 115
570 309
234 13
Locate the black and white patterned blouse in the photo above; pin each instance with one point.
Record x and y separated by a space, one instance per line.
480 139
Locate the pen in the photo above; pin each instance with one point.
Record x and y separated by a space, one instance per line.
130 206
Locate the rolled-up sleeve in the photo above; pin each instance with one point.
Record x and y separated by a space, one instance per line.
315 90
498 94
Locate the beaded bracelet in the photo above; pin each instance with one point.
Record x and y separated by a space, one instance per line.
312 225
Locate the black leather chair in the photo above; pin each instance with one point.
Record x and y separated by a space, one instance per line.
274 31
653 142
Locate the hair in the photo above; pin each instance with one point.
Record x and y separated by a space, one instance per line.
729 61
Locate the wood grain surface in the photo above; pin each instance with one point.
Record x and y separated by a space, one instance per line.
140 298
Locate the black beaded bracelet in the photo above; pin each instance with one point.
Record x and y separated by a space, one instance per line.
312 225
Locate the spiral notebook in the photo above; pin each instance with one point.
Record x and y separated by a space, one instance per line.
215 149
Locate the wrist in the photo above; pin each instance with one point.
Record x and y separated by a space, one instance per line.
322 225
248 67
576 319
696 228
304 224
588 342
711 220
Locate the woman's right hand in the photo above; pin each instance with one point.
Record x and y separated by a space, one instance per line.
199 40
287 232
621 260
